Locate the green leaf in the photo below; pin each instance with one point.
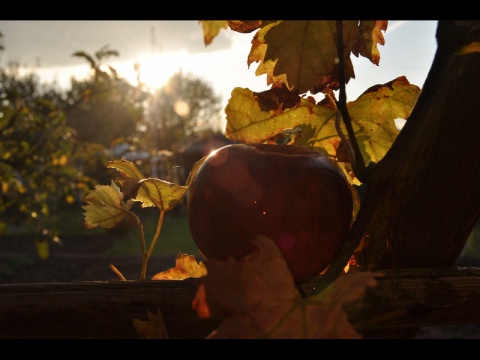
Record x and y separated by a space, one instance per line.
160 193
105 207
149 191
126 168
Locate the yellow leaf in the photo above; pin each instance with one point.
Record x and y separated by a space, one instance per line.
252 117
105 207
211 28
373 116
43 249
185 267
469 48
126 168
149 191
258 117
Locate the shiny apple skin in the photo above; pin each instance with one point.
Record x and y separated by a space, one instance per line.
295 196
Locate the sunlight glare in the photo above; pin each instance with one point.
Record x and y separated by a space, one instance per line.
156 69
181 108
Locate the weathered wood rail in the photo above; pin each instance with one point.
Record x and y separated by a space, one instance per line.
105 310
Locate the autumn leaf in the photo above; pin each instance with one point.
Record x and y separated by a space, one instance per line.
257 298
194 170
257 117
469 48
185 267
303 54
126 168
249 120
105 207
153 328
211 28
373 116
469 41
43 248
369 36
245 26
149 191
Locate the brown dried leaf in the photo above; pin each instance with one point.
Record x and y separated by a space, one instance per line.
244 26
258 299
185 267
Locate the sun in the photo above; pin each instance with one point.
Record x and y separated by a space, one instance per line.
154 70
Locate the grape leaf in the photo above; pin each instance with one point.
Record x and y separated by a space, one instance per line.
302 54
211 28
105 207
250 120
257 298
373 116
149 191
185 267
153 328
245 26
257 117
126 168
194 170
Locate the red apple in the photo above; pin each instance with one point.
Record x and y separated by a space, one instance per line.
297 197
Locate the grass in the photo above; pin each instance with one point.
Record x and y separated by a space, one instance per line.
8 267
174 237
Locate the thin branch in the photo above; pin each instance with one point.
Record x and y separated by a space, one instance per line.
358 164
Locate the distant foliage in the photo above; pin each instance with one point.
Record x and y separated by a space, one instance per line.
185 106
35 151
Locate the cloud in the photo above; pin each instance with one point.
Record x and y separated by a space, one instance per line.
51 43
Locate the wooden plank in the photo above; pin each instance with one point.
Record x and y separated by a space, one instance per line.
105 310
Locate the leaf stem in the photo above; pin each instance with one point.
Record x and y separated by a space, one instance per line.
146 255
139 224
358 164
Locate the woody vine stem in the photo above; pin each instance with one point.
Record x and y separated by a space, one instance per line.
362 173
356 158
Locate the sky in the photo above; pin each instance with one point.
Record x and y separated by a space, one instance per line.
164 47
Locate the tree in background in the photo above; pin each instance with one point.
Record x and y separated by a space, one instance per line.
104 110
35 148
185 106
104 107
54 143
